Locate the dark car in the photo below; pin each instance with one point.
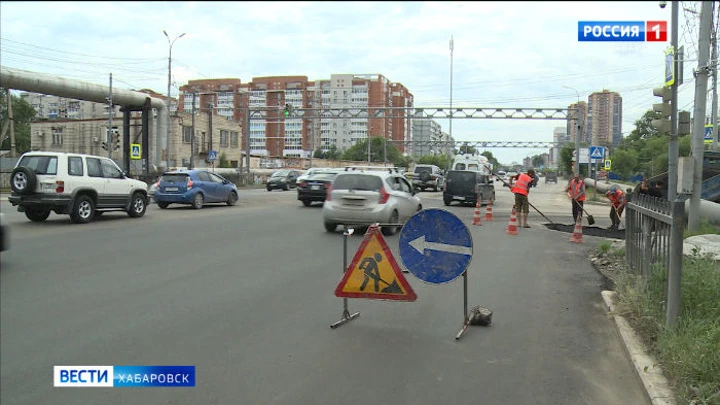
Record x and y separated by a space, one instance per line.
467 187
194 187
551 177
283 180
314 188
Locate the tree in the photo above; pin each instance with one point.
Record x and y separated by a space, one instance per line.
332 153
440 161
223 162
466 149
625 162
491 158
23 115
538 160
359 152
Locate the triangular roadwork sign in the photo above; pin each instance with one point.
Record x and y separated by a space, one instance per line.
374 273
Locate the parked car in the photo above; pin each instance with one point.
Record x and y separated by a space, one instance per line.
4 234
283 180
314 188
364 196
467 186
310 172
195 187
551 177
83 186
427 176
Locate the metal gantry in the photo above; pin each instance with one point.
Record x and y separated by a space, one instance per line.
418 113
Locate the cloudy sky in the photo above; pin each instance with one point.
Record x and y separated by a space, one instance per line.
506 54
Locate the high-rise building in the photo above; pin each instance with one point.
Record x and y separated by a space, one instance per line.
577 119
605 118
426 134
55 107
560 137
278 135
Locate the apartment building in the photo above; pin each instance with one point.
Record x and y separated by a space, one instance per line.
271 133
87 136
577 119
604 118
425 132
560 137
54 107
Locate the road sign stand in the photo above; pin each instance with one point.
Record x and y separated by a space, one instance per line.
466 322
346 316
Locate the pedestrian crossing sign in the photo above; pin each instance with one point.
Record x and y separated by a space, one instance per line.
374 273
596 152
135 151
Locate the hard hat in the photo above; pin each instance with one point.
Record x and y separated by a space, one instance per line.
613 189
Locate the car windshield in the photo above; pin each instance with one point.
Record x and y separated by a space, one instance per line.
420 169
323 176
361 182
281 173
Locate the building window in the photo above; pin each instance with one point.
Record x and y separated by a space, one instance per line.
223 138
234 139
187 134
57 136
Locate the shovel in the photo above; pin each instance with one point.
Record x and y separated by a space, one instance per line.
590 218
505 183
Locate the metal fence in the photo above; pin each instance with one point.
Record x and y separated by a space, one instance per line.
654 241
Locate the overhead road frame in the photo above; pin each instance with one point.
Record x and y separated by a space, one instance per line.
417 113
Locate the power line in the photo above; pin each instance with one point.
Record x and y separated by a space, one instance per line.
82 54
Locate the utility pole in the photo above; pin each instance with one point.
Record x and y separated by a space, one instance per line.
167 134
192 136
12 123
279 150
452 49
673 148
246 125
701 79
210 113
110 121
713 113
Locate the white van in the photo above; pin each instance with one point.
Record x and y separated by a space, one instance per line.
473 163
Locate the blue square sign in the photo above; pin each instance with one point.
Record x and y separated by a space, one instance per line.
212 155
596 152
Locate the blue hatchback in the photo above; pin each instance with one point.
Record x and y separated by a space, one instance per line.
194 187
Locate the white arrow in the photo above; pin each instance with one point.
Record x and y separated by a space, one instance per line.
421 245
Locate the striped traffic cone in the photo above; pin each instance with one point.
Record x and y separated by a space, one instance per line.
488 211
512 226
476 215
577 235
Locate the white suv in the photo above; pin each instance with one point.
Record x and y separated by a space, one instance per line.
362 196
83 186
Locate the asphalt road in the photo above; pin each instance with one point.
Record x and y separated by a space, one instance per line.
245 294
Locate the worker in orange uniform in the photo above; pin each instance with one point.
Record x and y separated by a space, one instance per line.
617 205
576 191
521 190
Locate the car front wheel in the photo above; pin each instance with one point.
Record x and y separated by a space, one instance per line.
138 206
232 198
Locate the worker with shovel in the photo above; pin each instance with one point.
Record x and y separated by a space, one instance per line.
617 205
576 191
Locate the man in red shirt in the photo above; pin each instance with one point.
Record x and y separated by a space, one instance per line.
576 191
617 205
521 190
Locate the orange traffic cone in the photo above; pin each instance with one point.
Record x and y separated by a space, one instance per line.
577 235
488 212
512 226
476 215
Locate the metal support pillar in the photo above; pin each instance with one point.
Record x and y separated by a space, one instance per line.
346 316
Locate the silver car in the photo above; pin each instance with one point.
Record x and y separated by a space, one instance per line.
362 196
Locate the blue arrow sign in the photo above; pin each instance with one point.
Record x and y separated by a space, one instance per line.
212 155
435 246
596 152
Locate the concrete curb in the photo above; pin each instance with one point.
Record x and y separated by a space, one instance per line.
646 367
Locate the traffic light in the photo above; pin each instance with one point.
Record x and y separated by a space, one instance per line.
104 145
288 110
116 136
684 123
662 110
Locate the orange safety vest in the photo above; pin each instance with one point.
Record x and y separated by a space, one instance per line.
577 190
616 199
521 184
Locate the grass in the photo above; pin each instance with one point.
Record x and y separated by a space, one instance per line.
690 354
704 228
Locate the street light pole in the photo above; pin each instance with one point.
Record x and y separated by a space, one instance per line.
577 133
447 148
167 136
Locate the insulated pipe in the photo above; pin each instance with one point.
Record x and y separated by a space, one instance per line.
17 79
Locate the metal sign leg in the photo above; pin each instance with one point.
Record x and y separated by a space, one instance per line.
466 321
346 316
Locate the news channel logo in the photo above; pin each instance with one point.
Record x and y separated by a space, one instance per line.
622 31
124 376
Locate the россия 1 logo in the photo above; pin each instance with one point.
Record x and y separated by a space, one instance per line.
622 31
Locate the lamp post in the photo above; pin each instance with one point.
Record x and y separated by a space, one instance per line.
577 133
447 147
167 136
